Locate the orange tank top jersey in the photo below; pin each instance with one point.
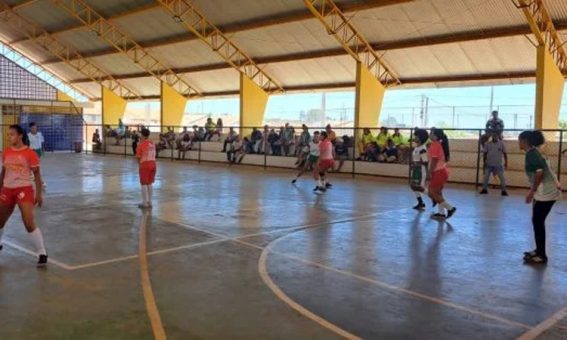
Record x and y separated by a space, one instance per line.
19 165
436 151
325 149
146 151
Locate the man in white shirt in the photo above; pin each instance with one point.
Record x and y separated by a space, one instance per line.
36 143
36 139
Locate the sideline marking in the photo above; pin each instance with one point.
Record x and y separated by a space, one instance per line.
151 306
545 325
263 271
34 254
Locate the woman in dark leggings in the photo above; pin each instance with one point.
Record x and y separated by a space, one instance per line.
544 191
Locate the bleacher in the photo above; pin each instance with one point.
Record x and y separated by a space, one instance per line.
464 158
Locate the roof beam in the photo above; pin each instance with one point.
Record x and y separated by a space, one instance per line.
257 23
406 81
385 46
75 27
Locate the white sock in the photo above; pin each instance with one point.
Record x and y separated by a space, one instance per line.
323 181
1 233
150 189
37 239
446 205
441 209
144 194
418 194
319 183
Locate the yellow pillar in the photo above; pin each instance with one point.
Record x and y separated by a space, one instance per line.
63 97
172 106
549 90
113 107
253 101
369 98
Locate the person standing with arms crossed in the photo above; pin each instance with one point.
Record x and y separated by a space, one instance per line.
146 154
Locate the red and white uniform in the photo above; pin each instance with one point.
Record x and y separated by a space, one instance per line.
18 185
146 153
326 160
440 174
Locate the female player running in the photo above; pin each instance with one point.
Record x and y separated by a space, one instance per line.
146 154
438 174
313 157
19 162
419 167
544 191
326 162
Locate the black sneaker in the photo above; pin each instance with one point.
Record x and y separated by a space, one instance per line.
483 192
505 193
438 216
536 260
419 206
451 212
433 203
328 185
316 189
42 261
293 181
1 246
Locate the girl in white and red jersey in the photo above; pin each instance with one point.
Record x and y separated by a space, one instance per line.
326 162
146 154
18 164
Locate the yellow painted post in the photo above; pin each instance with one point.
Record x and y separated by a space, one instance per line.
172 107
113 107
368 100
549 90
63 97
253 101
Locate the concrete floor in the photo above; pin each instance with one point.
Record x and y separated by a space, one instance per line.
240 253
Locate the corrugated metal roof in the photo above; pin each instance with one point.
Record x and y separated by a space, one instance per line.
421 20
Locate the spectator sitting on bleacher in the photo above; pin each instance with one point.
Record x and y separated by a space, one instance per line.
402 144
372 152
255 142
97 142
382 138
302 144
264 143
218 130
109 132
162 144
230 137
390 153
237 150
185 146
210 129
170 137
135 141
331 135
201 134
341 151
365 140
275 142
181 136
287 139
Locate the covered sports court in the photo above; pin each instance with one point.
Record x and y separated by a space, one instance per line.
236 251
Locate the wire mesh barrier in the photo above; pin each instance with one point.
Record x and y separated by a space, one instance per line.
61 123
373 151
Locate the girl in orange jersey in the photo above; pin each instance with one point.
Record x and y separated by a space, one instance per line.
18 163
146 154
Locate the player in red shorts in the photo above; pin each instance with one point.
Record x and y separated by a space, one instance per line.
438 174
326 162
146 154
16 187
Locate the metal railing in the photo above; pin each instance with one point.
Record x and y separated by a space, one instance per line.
281 151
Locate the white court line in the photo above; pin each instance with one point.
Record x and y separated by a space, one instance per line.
545 325
263 271
34 254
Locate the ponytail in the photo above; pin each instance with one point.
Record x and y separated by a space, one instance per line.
444 140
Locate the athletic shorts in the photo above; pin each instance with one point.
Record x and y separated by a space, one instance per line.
418 176
326 164
12 196
39 152
313 159
148 172
438 179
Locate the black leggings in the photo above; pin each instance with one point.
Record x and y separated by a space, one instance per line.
540 211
